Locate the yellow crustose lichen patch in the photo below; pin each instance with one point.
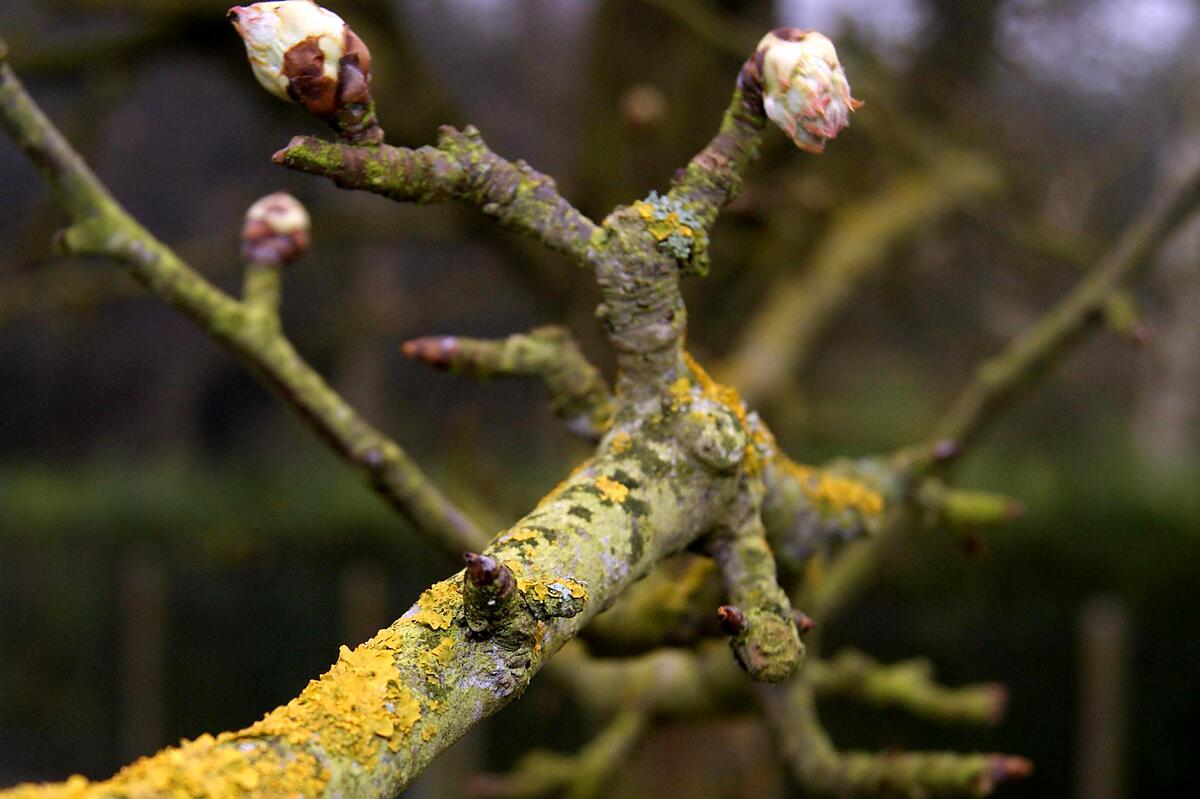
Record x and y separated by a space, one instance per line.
728 397
346 715
621 442
355 703
434 661
521 534
834 492
438 605
612 490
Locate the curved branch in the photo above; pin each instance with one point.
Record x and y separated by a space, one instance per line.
1001 377
714 176
908 684
578 393
100 226
823 770
580 776
460 167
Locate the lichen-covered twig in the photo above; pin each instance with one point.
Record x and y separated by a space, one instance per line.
806 509
759 617
823 770
100 226
583 775
908 684
460 167
964 508
715 174
578 393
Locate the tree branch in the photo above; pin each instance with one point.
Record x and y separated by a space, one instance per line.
578 393
714 176
460 167
908 684
821 769
579 776
1001 377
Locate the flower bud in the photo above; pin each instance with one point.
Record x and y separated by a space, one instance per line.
804 87
305 53
276 230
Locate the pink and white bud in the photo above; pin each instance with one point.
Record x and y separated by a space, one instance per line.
276 230
805 91
308 54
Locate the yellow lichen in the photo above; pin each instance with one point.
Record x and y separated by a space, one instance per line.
347 715
438 605
522 534
681 393
834 492
621 442
434 661
663 228
729 398
575 589
612 490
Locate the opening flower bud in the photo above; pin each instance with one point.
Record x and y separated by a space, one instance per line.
276 230
307 54
804 86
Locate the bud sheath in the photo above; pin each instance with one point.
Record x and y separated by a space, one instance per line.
307 54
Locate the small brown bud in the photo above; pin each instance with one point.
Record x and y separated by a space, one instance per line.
946 450
1008 767
276 230
481 569
732 620
436 351
489 592
804 622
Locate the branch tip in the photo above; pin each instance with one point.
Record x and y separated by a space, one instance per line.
946 450
804 622
489 592
277 230
732 620
436 351
481 569
1006 768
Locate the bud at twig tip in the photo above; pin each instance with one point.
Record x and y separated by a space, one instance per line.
804 622
804 86
946 450
732 620
309 55
436 351
480 568
276 230
1009 767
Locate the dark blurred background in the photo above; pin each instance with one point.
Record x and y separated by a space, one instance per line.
178 555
